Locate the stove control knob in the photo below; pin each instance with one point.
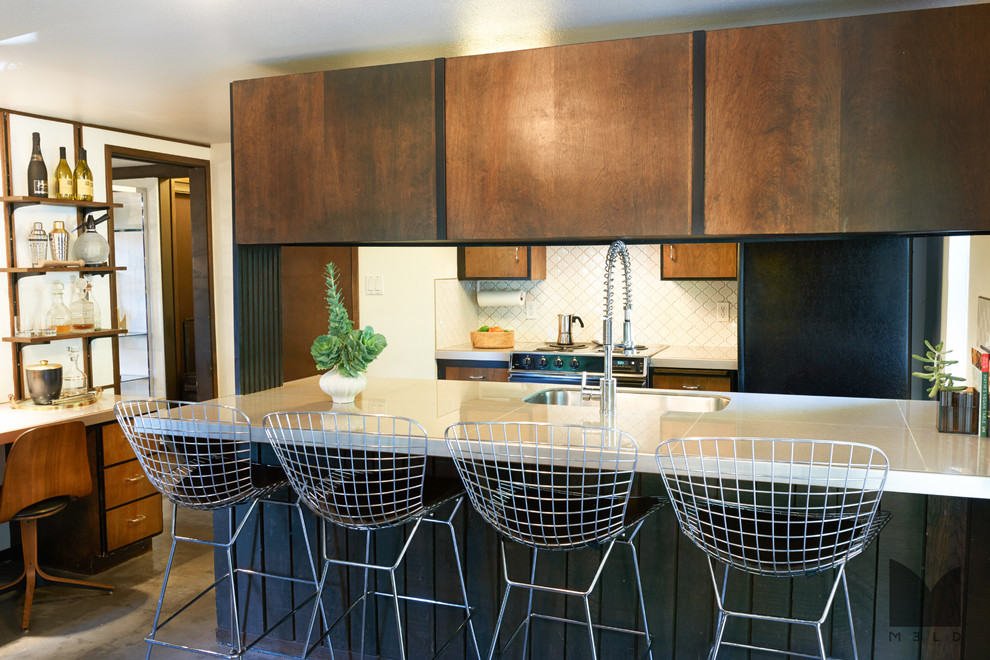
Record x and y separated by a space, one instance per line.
527 362
574 363
557 362
543 362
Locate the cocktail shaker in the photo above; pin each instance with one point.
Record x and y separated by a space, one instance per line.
59 239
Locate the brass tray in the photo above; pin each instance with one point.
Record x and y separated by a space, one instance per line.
62 403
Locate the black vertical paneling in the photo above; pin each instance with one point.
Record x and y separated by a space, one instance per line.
901 601
259 318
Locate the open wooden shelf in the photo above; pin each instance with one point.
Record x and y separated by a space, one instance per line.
16 201
45 339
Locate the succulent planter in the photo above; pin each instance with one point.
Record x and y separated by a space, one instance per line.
959 412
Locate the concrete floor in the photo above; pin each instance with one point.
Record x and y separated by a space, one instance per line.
83 624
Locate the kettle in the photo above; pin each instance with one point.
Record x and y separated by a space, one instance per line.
564 328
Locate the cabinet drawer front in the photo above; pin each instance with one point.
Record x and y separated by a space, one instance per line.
478 373
134 522
124 483
688 382
116 449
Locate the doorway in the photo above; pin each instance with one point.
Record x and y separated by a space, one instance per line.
180 342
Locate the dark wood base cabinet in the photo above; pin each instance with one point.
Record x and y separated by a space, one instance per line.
920 591
113 523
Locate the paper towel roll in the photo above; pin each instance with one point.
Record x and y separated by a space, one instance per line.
501 298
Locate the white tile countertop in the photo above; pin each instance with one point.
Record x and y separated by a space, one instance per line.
921 459
672 357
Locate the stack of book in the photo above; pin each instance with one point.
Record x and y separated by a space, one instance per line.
981 360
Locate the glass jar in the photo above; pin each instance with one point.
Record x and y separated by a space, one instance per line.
82 308
73 377
59 319
38 245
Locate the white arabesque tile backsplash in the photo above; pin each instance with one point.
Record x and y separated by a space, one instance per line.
664 312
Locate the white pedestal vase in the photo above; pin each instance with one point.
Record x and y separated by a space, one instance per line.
342 389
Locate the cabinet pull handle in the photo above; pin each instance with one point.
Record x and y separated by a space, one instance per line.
476 378
137 520
517 254
135 478
673 253
690 387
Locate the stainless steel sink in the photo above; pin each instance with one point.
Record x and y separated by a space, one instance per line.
635 399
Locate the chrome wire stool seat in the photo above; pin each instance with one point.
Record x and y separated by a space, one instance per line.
776 507
367 473
554 487
198 456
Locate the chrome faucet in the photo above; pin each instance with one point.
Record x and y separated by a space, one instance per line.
608 384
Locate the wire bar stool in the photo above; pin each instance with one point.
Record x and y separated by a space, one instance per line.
776 507
198 456
553 487
367 472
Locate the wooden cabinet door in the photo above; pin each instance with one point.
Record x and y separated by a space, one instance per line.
338 156
699 261
504 263
916 121
863 124
772 129
586 140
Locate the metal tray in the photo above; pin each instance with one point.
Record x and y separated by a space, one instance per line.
62 403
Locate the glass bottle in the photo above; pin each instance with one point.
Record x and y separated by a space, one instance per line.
82 178
97 312
64 188
82 308
59 316
91 247
73 377
37 173
37 245
59 239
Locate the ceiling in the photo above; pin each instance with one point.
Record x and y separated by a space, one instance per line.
164 68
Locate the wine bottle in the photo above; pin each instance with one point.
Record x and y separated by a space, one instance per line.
83 178
63 178
37 172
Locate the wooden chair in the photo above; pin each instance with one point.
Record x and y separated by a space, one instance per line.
47 468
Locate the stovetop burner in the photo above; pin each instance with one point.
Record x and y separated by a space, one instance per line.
554 347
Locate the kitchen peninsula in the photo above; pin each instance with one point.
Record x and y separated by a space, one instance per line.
938 491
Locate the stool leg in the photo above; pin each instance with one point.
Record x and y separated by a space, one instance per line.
29 544
460 575
364 603
849 612
639 591
529 604
161 596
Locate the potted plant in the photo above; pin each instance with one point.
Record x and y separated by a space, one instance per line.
344 351
957 410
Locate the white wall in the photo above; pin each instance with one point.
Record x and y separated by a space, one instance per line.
405 312
223 266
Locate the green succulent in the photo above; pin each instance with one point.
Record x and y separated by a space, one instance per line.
348 349
935 370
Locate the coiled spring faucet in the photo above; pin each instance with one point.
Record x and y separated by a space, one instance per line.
616 249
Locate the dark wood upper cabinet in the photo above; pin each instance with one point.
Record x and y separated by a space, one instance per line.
579 141
336 157
502 263
699 261
864 124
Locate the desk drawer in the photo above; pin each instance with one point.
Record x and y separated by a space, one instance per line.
116 449
134 521
124 483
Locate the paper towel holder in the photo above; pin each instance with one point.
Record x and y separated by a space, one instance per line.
507 297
